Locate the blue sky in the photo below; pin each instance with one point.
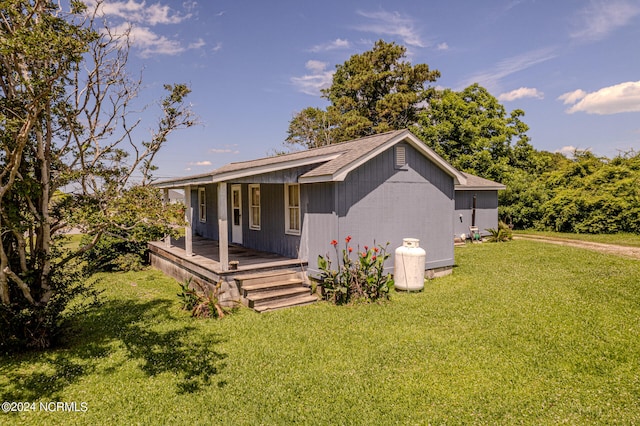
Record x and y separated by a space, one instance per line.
573 66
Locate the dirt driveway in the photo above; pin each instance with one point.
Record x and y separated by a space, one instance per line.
631 252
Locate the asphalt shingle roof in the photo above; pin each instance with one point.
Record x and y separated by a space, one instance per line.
334 157
476 182
350 151
329 160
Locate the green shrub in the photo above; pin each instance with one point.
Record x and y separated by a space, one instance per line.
502 234
25 326
113 253
202 301
363 279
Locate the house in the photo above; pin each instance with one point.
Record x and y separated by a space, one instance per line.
476 205
176 197
376 189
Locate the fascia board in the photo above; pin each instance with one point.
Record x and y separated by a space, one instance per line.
316 179
182 182
480 188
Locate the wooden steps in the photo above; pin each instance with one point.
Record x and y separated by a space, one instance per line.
273 290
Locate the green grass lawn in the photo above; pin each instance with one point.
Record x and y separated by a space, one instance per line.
623 239
522 333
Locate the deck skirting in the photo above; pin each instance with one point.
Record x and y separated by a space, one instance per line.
205 269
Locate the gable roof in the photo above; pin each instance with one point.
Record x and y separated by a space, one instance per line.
334 162
476 183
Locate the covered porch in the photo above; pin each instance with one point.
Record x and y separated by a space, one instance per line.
205 254
202 265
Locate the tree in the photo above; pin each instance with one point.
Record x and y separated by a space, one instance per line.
590 194
67 156
520 204
473 131
372 92
310 128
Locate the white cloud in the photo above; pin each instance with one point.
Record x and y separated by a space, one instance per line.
602 17
442 46
223 151
623 97
319 79
569 151
149 42
572 97
200 163
197 44
316 66
392 24
139 12
217 47
158 14
332 45
490 78
137 19
190 5
523 92
513 4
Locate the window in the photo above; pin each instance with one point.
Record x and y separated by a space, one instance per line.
254 207
292 208
202 205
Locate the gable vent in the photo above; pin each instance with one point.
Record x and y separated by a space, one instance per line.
401 158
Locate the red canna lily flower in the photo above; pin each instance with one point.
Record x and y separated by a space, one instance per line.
348 238
375 249
350 249
373 258
334 243
366 248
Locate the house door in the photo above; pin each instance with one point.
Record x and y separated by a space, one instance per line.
236 214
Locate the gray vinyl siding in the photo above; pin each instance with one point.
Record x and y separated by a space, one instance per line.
320 223
208 229
377 202
271 236
486 211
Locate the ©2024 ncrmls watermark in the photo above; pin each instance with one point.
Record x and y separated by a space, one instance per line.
48 406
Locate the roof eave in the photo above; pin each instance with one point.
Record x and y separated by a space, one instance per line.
480 188
316 179
182 182
216 177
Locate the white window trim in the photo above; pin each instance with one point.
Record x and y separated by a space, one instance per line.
251 207
287 207
202 205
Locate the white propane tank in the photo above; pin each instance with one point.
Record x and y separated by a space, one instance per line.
409 265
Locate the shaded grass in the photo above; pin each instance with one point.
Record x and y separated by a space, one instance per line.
622 239
521 333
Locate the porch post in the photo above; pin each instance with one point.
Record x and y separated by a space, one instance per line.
165 201
223 226
188 240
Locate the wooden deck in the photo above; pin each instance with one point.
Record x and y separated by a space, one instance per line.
203 267
206 255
